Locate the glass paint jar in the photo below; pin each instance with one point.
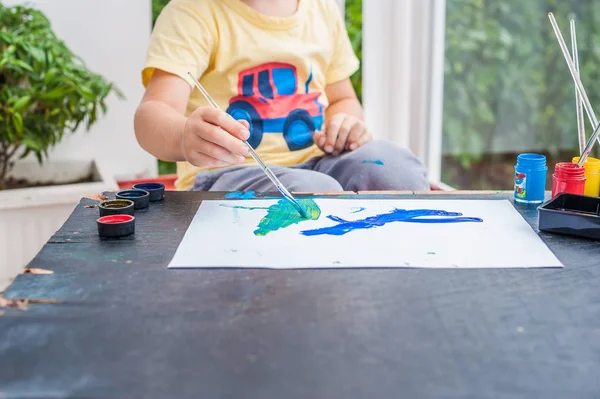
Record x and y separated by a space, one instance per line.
591 168
530 178
569 178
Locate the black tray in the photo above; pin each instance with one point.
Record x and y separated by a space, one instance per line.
570 214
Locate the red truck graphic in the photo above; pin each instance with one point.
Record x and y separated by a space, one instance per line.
268 101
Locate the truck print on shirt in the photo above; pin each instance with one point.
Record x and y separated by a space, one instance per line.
268 100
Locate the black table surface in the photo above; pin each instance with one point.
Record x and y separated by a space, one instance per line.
126 326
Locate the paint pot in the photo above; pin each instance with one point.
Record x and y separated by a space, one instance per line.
116 207
591 168
116 226
568 178
530 178
140 198
156 190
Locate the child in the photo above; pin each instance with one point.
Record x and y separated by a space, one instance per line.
279 70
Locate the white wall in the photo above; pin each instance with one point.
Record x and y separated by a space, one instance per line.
111 37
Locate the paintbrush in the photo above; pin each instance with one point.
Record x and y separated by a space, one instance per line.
287 195
586 101
578 103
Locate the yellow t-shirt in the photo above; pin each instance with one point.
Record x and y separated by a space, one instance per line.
269 71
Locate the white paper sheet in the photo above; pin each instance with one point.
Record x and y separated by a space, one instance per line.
222 236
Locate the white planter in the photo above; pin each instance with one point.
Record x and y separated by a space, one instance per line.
30 216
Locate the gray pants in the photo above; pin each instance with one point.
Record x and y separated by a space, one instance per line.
376 165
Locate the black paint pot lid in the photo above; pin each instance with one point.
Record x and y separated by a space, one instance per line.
124 194
149 186
116 204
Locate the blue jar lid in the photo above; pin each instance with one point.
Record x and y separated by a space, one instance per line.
531 160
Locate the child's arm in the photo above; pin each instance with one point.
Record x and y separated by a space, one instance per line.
162 129
345 128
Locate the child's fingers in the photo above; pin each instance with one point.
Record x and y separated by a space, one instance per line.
195 144
332 131
319 138
217 152
200 159
330 137
343 133
226 122
357 130
216 135
245 123
203 160
363 139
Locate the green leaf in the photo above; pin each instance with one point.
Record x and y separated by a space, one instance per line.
37 54
50 75
23 65
55 93
21 103
31 144
18 123
87 93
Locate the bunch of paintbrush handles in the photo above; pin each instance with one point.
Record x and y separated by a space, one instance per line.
582 101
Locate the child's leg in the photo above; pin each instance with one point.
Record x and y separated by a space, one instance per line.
253 178
377 165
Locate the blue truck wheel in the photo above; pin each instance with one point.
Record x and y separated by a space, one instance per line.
243 110
298 130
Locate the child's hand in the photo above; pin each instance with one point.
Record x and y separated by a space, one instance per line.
343 132
213 138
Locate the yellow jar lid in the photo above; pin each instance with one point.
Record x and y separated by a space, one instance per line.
590 164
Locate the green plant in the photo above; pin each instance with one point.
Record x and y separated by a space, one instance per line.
354 27
507 86
45 90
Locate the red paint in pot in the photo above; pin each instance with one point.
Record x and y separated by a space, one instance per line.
568 178
115 219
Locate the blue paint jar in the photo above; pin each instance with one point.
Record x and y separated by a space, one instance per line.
530 178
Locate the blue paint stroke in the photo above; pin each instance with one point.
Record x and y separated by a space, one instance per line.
241 195
397 215
375 162
362 208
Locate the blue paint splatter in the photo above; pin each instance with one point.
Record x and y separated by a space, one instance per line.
362 208
375 162
397 215
241 195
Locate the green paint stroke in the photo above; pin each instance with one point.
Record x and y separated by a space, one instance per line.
283 214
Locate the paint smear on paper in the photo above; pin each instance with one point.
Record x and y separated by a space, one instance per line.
281 214
374 162
236 216
241 195
397 215
356 210
250 208
284 214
